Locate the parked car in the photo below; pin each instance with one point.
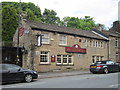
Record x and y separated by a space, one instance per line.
104 67
11 73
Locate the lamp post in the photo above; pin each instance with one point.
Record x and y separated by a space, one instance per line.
18 31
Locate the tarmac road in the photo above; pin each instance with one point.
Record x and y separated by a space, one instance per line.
78 81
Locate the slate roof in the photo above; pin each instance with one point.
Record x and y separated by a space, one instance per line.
61 29
110 33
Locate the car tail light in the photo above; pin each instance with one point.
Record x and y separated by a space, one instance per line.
99 66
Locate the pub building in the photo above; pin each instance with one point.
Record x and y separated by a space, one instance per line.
50 47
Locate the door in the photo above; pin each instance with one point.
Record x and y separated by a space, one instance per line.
5 73
14 72
110 65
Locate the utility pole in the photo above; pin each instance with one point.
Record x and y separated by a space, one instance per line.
19 19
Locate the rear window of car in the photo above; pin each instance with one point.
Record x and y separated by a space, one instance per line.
101 62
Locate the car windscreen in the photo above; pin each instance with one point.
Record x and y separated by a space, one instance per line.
100 62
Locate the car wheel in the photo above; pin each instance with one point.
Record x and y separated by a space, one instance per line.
28 78
94 72
105 71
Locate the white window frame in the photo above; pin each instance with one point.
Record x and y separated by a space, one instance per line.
46 36
48 58
101 44
62 39
67 58
71 59
59 58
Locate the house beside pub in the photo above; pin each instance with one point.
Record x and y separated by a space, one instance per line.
114 41
62 48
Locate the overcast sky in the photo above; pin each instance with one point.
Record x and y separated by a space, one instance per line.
103 11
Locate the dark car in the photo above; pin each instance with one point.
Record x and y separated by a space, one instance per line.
11 73
104 67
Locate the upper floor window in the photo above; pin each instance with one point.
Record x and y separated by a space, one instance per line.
46 38
63 40
116 43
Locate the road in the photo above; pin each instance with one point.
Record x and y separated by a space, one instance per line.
79 81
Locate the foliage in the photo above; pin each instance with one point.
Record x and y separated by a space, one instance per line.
85 23
9 22
10 12
49 16
32 12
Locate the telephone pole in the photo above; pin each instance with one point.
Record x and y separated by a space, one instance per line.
19 19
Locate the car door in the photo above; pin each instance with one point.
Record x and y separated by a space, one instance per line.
5 74
110 65
14 72
116 66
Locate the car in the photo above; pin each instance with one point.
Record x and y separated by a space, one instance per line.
119 65
105 66
12 72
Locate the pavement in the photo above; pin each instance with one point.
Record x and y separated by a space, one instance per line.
43 75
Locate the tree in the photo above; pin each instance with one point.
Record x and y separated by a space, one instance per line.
10 17
9 22
85 23
49 16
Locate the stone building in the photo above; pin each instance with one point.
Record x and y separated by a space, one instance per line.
114 41
62 48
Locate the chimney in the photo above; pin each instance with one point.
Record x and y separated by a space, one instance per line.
116 26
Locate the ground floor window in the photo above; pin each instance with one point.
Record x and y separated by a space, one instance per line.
44 57
65 59
117 56
97 58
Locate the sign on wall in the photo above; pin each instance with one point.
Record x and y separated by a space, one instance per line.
39 40
21 31
53 58
75 49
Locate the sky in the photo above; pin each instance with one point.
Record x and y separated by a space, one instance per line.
103 11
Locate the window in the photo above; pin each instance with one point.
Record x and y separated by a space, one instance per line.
97 58
98 44
44 57
101 43
65 59
59 59
116 43
90 43
93 43
101 58
63 40
117 56
110 62
93 59
46 38
70 59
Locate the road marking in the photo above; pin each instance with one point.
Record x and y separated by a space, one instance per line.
115 85
23 85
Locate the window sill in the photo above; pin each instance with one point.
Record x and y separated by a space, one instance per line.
63 45
46 44
64 64
44 64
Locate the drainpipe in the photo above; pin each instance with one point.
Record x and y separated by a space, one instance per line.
108 50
